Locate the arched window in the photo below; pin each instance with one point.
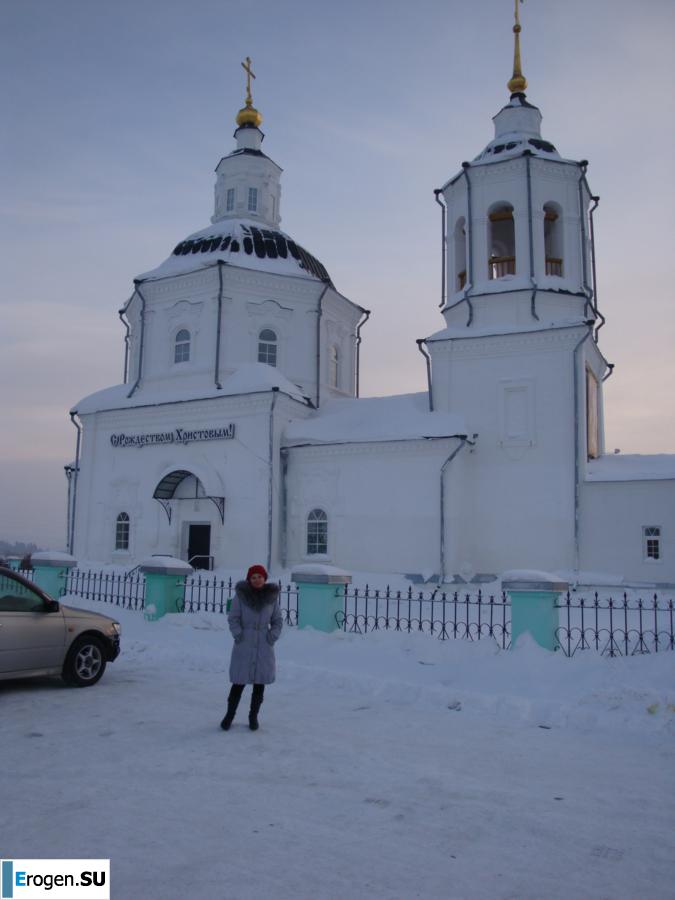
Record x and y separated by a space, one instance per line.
267 347
181 351
501 241
333 366
553 239
317 532
252 199
460 254
122 532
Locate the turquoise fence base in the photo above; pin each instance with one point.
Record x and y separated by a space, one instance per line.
534 612
164 586
50 570
318 606
320 596
533 607
163 594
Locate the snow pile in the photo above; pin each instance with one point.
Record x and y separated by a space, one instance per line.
387 765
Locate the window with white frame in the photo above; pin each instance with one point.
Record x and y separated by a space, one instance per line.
317 533
122 532
181 351
267 347
229 202
651 542
333 366
252 199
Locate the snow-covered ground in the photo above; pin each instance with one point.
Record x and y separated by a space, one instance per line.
386 766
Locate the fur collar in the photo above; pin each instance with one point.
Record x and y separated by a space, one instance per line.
257 599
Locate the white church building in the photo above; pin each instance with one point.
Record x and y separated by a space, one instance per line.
239 436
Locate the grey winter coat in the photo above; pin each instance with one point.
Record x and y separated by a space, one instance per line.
255 622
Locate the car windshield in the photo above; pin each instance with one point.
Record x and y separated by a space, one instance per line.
18 597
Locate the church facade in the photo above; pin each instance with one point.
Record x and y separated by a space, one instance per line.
238 433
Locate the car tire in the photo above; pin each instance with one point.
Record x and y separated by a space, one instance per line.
85 662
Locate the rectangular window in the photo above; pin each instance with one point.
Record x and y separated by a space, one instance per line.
267 353
592 430
252 199
651 540
230 200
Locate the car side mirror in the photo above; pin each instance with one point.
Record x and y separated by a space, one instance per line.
52 606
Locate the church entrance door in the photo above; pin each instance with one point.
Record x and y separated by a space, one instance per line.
199 546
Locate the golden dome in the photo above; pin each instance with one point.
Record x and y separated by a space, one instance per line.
249 115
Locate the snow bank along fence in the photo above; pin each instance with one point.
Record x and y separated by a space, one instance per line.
619 626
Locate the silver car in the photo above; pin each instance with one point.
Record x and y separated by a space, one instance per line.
41 636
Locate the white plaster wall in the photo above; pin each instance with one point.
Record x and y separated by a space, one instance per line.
124 478
339 322
516 392
613 514
251 301
382 501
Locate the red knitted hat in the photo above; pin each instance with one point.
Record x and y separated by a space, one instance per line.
256 570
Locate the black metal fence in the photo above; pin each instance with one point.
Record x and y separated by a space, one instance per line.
445 615
126 589
610 627
202 593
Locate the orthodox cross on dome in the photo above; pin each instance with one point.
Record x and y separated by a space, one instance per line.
517 83
249 115
246 66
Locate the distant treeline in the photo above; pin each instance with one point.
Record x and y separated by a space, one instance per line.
18 548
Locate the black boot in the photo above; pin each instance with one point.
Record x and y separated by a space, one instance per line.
256 703
232 704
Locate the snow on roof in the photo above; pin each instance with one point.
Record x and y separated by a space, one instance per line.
446 334
517 128
399 418
631 467
250 378
241 243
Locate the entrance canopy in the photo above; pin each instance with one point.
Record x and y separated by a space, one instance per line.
165 492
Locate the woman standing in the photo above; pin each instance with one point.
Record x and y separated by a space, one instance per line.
255 622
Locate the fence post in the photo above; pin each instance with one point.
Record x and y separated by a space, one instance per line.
320 595
49 570
533 597
164 585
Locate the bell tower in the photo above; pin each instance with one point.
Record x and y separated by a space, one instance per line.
518 226
518 358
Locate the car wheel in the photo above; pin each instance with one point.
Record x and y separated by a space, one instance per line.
85 662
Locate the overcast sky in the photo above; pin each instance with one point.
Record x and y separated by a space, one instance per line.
115 115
